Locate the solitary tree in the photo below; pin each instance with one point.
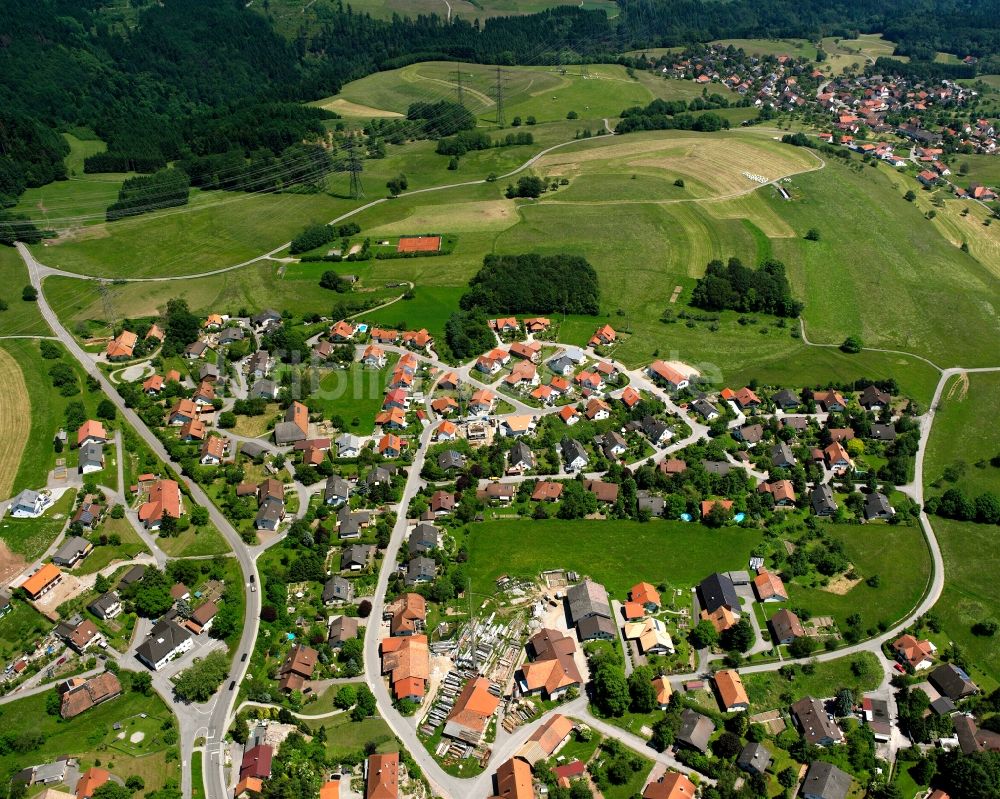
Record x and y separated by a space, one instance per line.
852 344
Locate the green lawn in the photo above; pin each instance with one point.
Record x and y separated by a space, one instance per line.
766 688
194 541
21 318
355 393
633 787
47 412
430 308
971 563
324 703
982 169
31 537
290 15
90 737
251 288
216 229
547 93
81 201
345 737
617 554
83 143
797 48
20 628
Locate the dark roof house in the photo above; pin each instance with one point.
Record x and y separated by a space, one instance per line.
695 730
717 591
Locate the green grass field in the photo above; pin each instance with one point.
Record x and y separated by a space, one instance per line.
345 737
618 554
966 410
430 308
548 93
797 48
21 318
960 436
193 542
355 394
89 737
903 577
130 546
765 689
970 593
982 168
909 290
46 411
290 15
253 288
216 229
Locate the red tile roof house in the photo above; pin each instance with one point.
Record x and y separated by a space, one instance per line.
384 336
528 351
667 376
120 348
603 336
927 178
506 325
745 398
342 331
919 654
256 762
183 411
164 499
91 432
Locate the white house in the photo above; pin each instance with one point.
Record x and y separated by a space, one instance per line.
30 504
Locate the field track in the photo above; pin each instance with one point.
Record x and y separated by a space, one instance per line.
14 409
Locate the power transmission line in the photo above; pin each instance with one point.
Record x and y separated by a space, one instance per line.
110 311
458 82
498 91
354 167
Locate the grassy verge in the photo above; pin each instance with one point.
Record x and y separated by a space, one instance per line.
197 777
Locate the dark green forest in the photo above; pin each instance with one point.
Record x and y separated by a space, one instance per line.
534 283
211 85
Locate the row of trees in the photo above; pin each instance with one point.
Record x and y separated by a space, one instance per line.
167 188
470 140
955 503
317 235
